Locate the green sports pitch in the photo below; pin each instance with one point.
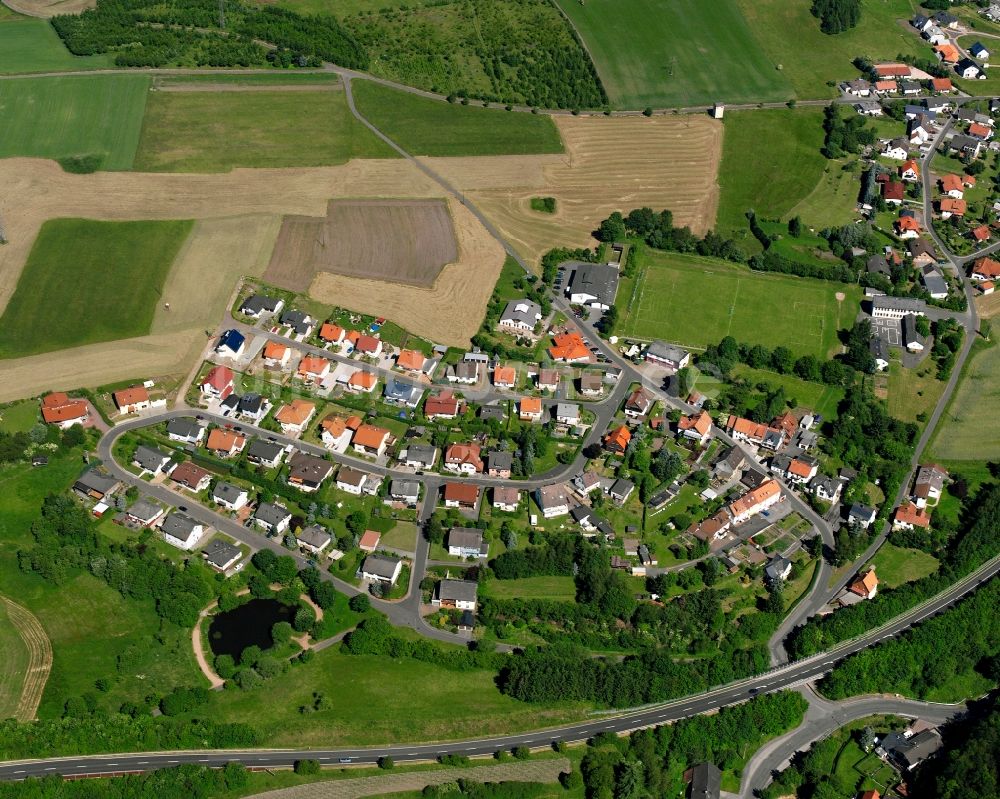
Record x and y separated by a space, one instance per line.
696 301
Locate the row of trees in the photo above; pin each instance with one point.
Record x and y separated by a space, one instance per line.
180 782
728 352
659 232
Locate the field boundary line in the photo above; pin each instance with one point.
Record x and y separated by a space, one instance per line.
39 658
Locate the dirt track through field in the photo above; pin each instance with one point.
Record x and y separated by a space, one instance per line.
532 771
39 658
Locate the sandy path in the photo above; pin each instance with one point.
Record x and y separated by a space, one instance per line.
39 658
532 771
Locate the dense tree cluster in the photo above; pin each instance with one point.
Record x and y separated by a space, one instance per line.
728 352
928 656
836 16
659 232
844 133
375 636
970 762
554 557
973 544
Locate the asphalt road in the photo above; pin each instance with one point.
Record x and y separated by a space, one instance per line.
777 679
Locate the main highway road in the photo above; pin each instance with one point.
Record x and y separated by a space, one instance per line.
782 677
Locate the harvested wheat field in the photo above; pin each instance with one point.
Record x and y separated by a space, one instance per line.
610 164
402 241
49 8
39 658
989 306
450 311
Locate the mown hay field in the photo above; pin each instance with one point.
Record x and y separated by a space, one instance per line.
201 128
696 301
31 45
968 429
62 117
402 241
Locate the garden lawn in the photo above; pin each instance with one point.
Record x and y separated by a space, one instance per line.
968 428
897 565
810 59
403 536
561 589
19 418
88 623
215 131
88 281
819 398
697 301
770 162
61 117
675 52
381 705
913 393
430 127
31 45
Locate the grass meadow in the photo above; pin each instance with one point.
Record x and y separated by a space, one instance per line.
814 62
913 393
432 128
819 398
665 53
897 565
968 429
31 45
556 588
770 162
88 281
192 131
59 117
697 301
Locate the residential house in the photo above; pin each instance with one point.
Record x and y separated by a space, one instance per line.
465 372
907 516
420 456
921 252
381 568
928 485
458 594
893 193
638 404
934 282
569 348
444 405
222 556
827 488
313 539
190 476
300 322
586 483
905 751
151 460
870 108
218 383
949 207
730 465
548 379
231 344
504 376
506 499
132 400
897 149
295 416
909 88
258 305
778 569
985 269
467 542
801 470
907 227
567 413
970 70
313 369
332 333
276 355
307 472
186 431
334 433
980 234
712 528
530 409
617 440
229 496
93 484
593 285
362 382
865 585
621 490
912 339
464 496
369 346
399 392
272 518
413 361
225 443
987 287
696 427
591 384
952 185
858 87
978 51
667 355
369 540
755 501
705 780
910 171
552 500
463 459
520 316
886 87
405 491
861 516
947 53
942 85
63 412
181 531
265 453
965 145
742 429
371 440
499 463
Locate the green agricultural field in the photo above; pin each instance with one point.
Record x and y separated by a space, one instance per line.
555 588
430 127
897 565
665 53
770 178
697 301
814 62
913 393
968 429
447 705
98 115
88 281
88 623
819 398
215 131
31 45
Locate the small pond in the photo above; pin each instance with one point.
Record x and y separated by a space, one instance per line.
248 625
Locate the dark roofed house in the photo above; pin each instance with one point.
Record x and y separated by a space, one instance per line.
909 752
381 568
150 459
499 463
467 542
300 322
272 517
706 781
258 304
265 452
313 538
593 284
221 555
307 472
187 431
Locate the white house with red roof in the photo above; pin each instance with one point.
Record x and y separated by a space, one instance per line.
218 383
